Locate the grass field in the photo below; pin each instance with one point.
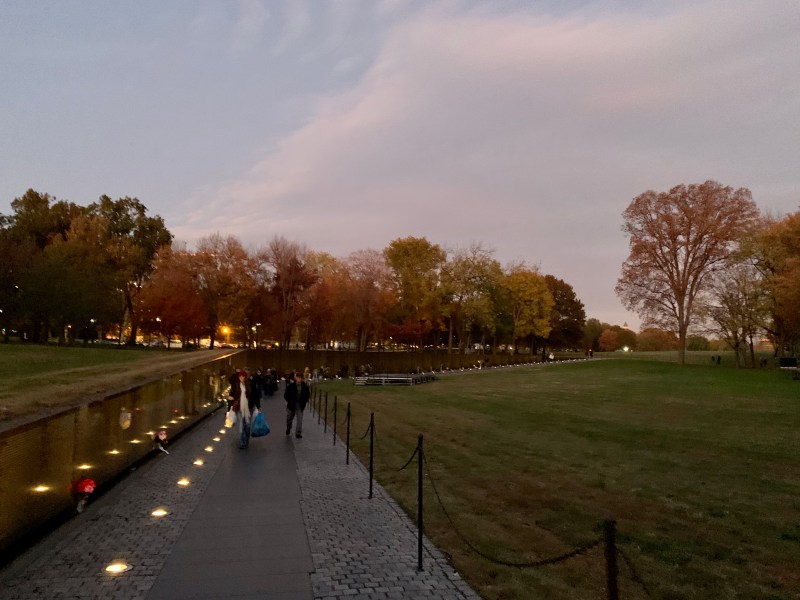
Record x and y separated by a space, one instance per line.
699 465
34 378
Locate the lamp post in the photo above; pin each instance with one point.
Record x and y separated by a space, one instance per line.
227 331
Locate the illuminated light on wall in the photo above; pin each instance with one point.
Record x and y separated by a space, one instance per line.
160 512
84 467
183 482
216 439
114 451
208 449
41 489
199 462
151 433
136 441
222 431
174 422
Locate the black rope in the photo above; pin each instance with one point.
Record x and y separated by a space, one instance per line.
366 433
518 565
410 459
634 574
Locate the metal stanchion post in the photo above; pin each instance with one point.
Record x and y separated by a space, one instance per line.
371 450
335 417
419 503
325 429
347 460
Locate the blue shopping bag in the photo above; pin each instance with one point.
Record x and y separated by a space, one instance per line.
260 425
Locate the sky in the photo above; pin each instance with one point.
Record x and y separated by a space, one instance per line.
526 126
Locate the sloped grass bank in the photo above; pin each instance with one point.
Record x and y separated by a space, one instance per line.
42 379
699 465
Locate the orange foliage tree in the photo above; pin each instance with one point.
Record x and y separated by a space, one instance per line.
678 240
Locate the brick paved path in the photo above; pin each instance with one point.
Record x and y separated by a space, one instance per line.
285 519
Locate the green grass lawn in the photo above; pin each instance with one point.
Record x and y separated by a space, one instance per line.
699 465
35 377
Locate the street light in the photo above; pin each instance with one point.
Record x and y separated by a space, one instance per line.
227 331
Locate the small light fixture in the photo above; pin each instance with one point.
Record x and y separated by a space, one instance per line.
199 462
84 467
183 482
117 567
41 489
216 439
114 451
222 431
136 441
151 433
160 512
174 422
208 449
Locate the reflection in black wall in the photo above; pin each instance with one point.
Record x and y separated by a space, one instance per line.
41 461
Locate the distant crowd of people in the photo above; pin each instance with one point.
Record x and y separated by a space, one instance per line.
247 390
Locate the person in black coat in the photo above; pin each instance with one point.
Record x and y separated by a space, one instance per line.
296 395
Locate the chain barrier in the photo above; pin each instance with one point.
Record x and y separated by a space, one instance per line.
518 565
366 433
634 574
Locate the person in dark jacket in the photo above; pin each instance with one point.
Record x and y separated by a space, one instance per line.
296 395
244 401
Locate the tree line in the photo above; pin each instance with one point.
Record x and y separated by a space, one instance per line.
704 260
74 272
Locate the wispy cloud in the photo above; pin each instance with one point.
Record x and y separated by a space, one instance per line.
530 133
250 25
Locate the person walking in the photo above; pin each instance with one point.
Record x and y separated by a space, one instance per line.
244 401
296 395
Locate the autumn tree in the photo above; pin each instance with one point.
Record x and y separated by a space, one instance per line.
319 302
655 340
291 277
738 308
70 286
609 341
131 240
222 272
678 239
416 266
15 261
170 300
774 251
567 317
40 218
467 278
365 297
529 301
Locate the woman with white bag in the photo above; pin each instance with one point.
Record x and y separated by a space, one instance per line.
245 403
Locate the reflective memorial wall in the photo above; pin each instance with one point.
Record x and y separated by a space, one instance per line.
47 466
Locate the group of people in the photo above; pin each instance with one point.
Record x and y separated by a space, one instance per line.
246 392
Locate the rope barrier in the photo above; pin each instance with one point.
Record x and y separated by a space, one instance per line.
518 565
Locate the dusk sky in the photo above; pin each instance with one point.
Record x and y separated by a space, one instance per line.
528 126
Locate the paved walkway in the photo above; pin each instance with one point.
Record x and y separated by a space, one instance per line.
284 519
